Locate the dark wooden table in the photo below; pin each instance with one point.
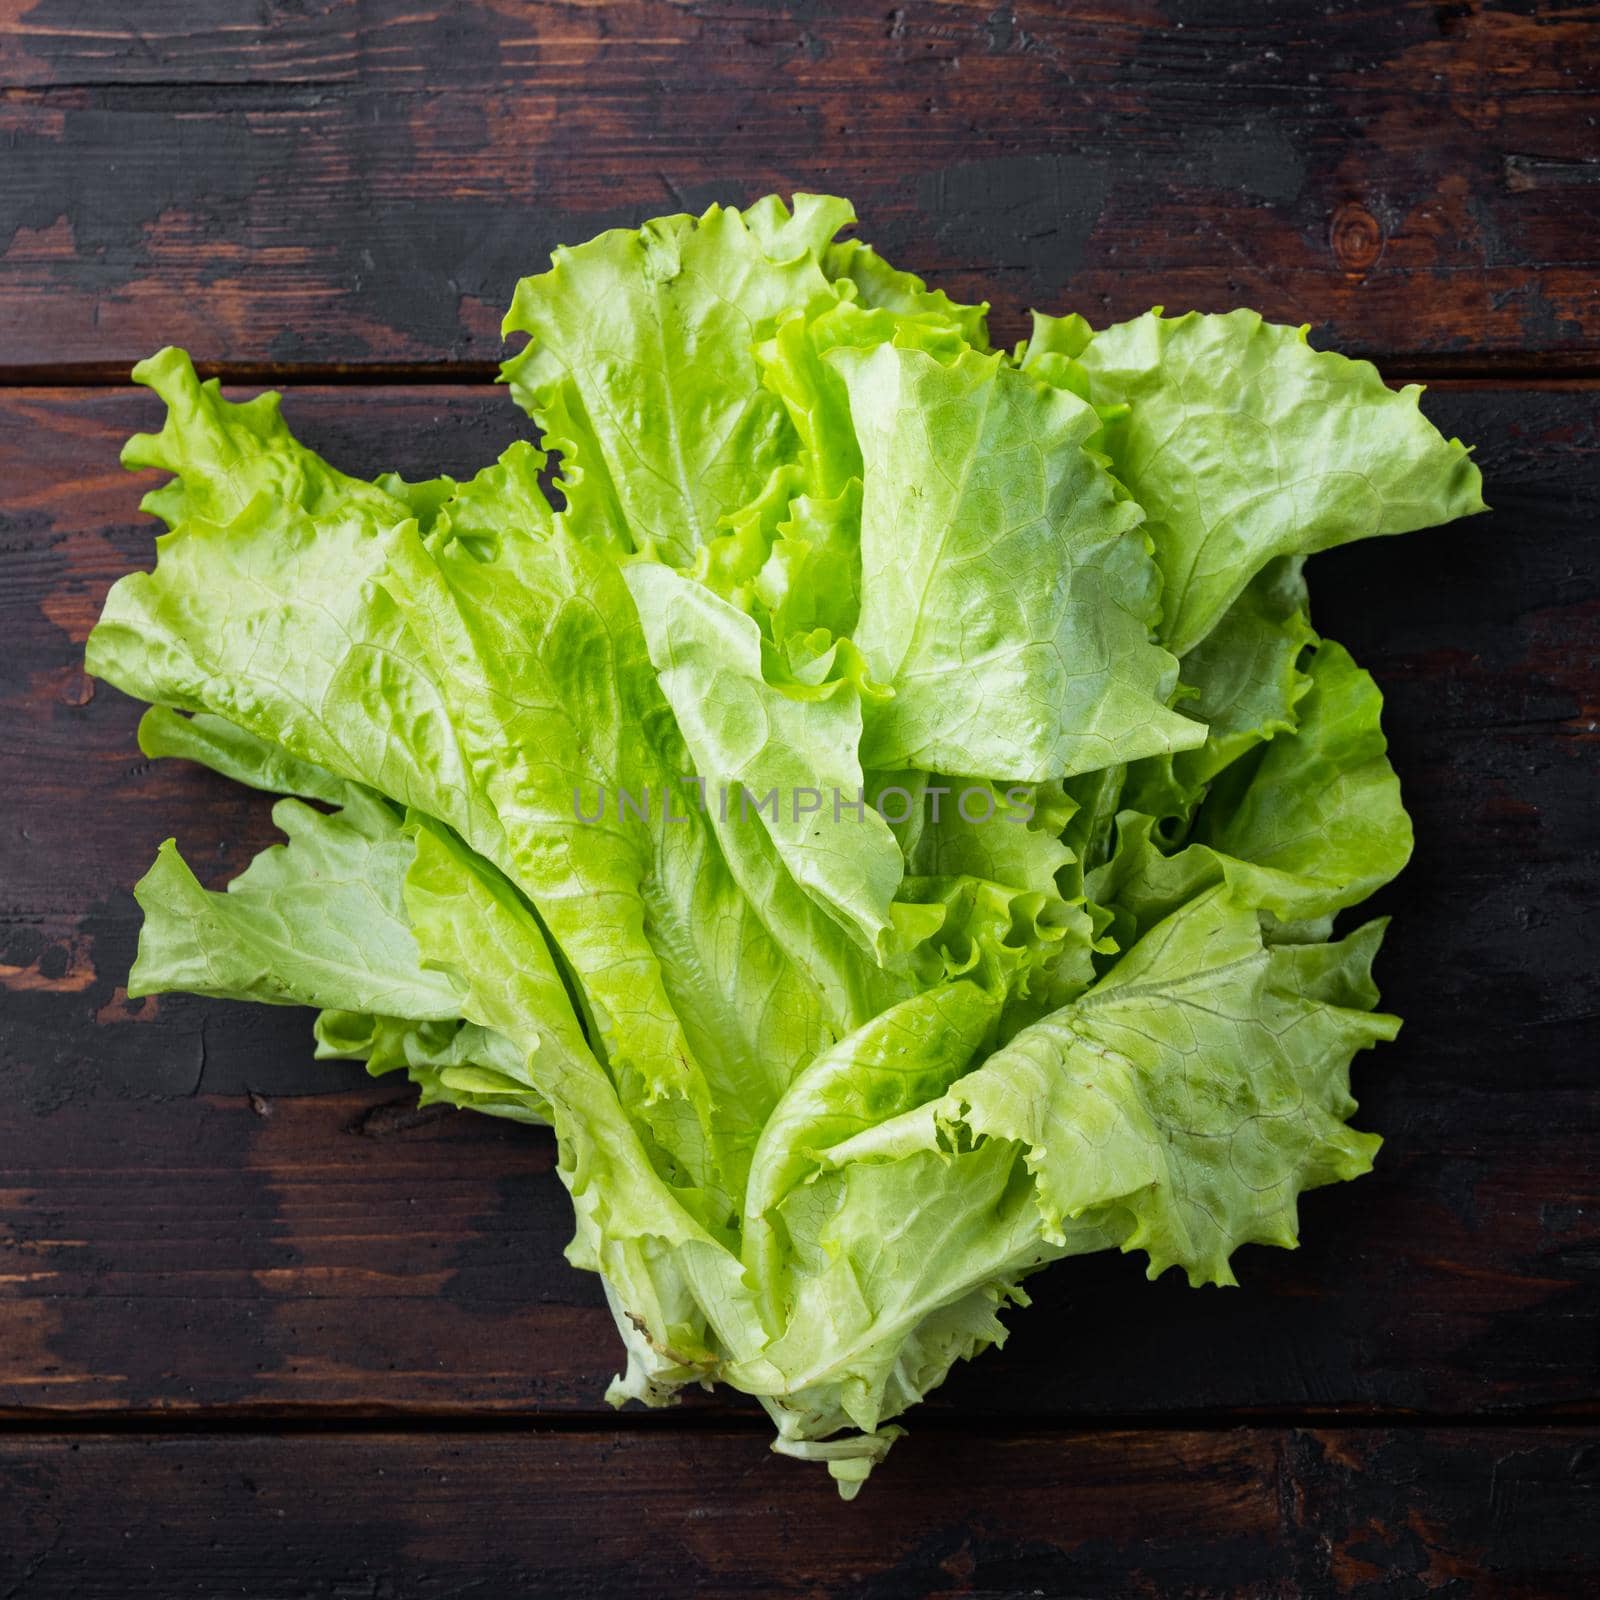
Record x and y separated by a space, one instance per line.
268 1330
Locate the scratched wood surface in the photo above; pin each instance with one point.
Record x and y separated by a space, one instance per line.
267 1329
321 182
1262 1512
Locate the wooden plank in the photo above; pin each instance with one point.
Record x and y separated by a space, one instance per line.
187 1225
279 1255
334 184
1252 1512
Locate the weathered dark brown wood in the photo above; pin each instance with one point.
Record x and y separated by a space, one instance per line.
1260 1513
329 183
258 1272
188 1227
279 1256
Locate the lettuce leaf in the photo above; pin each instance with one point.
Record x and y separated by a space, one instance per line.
1005 594
317 921
887 813
640 367
1242 443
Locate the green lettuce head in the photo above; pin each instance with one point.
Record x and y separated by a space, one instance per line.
885 807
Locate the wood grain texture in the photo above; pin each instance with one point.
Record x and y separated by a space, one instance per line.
324 183
267 1329
189 1227
1253 1512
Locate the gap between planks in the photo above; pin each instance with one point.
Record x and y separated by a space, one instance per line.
1558 368
312 1420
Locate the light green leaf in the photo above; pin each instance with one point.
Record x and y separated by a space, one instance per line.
505 500
1244 682
452 1062
639 366
236 754
317 921
637 1228
1189 1097
224 454
1312 824
788 752
1006 595
1242 443
548 691
272 620
882 287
